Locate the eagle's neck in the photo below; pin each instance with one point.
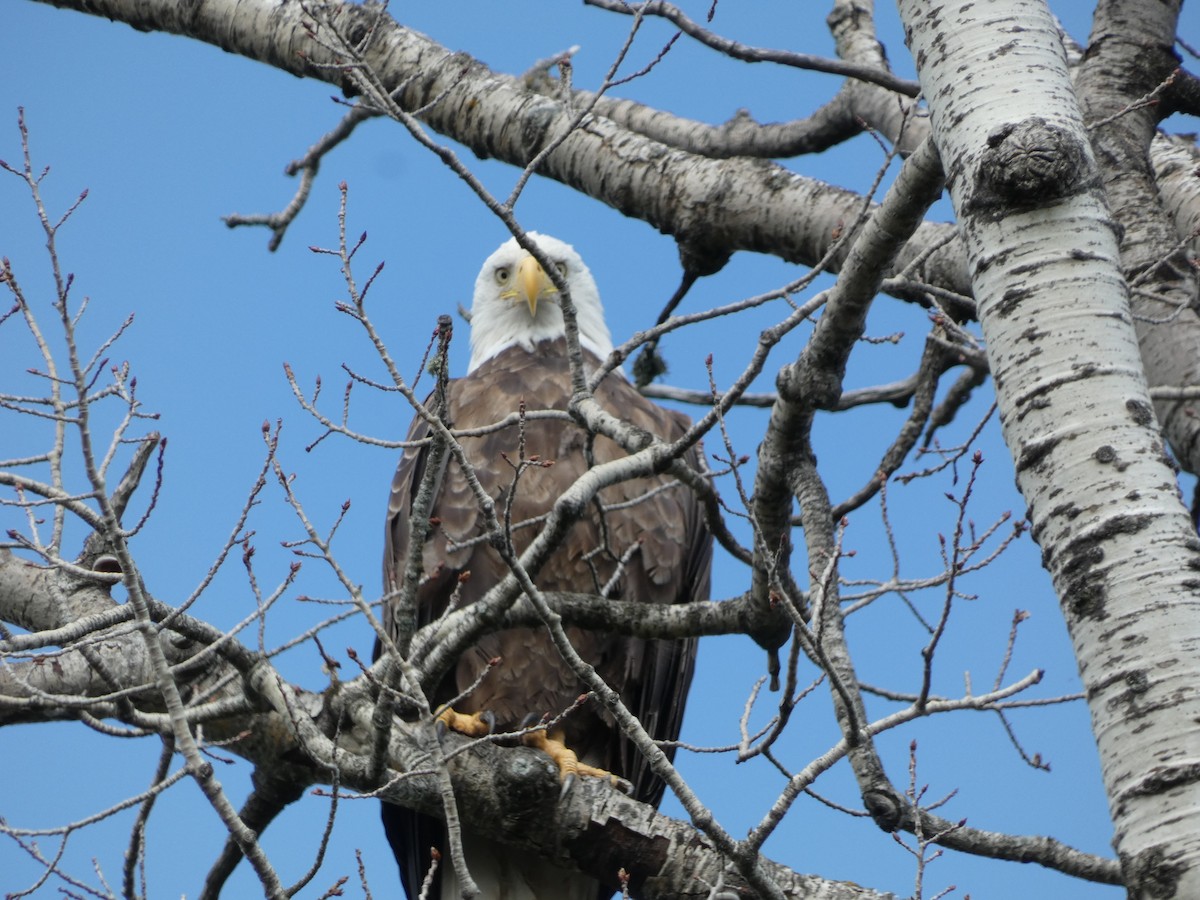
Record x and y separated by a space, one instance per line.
498 326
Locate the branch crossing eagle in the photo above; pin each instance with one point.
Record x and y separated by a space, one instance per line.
642 540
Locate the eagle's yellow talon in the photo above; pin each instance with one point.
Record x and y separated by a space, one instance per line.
478 724
568 763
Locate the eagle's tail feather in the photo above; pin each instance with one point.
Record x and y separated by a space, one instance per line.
506 873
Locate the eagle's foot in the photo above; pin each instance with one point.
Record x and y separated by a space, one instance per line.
569 766
479 724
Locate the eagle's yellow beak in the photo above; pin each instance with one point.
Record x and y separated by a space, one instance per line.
532 283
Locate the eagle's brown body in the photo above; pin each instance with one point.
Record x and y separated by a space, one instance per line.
671 566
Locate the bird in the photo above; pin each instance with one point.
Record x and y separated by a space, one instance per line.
643 540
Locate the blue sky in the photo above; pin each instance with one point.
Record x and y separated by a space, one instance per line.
168 135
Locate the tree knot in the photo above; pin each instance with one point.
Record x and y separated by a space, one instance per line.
1031 162
885 808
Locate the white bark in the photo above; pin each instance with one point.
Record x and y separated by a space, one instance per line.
709 206
1130 57
1076 414
1176 162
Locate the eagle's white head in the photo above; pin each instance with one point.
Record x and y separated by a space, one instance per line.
516 303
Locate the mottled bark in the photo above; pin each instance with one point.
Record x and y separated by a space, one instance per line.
712 207
1101 493
1130 55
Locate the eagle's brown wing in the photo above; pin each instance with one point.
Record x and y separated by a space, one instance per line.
671 565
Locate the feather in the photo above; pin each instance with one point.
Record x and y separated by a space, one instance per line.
654 524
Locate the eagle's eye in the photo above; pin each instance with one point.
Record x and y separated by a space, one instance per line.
502 274
562 268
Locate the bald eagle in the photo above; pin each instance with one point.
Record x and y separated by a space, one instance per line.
644 541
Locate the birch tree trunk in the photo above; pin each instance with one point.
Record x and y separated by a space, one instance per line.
1077 418
1131 59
